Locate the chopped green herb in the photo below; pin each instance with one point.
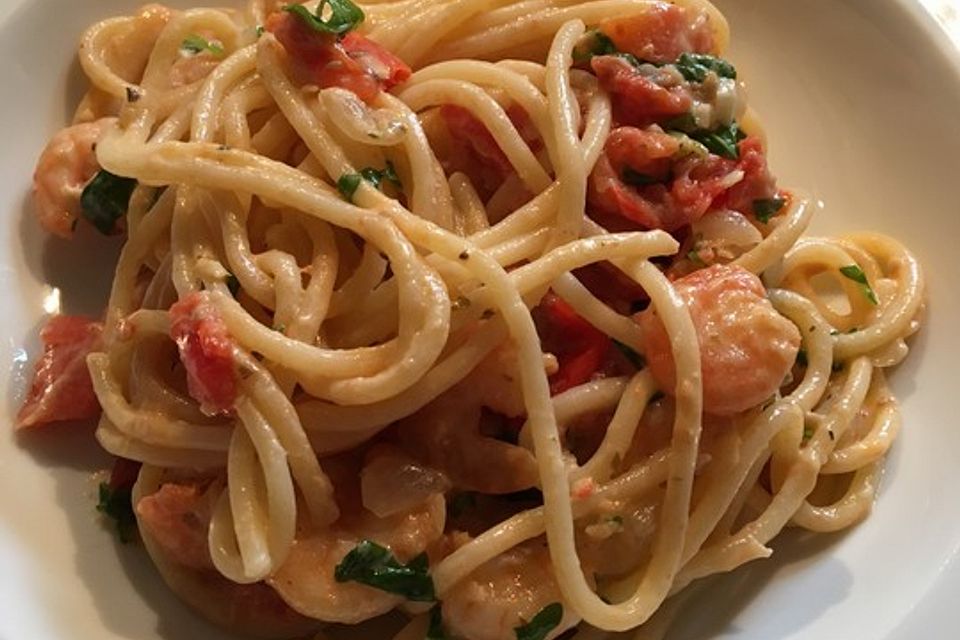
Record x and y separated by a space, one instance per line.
694 257
637 179
694 67
116 505
343 16
435 630
370 564
807 433
635 358
766 208
198 44
594 43
280 328
260 30
233 284
855 273
377 176
105 200
802 357
461 503
348 183
683 123
688 146
542 624
722 141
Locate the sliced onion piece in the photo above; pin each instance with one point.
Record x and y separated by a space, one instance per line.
392 482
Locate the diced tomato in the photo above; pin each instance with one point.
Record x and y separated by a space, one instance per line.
62 389
206 350
353 62
637 99
177 517
578 345
661 33
757 184
681 190
475 151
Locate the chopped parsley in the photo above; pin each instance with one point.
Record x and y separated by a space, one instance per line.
377 176
198 44
721 141
542 624
342 16
694 256
117 505
855 273
105 200
635 358
766 208
594 43
807 433
694 67
348 183
373 565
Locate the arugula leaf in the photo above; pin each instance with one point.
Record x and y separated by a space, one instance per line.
198 44
722 141
117 505
370 564
542 624
766 208
855 273
344 16
637 179
635 358
435 630
105 200
695 66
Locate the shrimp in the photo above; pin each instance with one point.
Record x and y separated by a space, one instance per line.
746 347
306 580
173 524
505 593
65 167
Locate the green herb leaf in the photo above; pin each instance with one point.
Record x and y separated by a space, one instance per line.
694 67
198 44
377 176
807 433
722 141
348 184
105 200
435 630
855 273
542 624
683 123
637 179
370 564
694 257
260 30
635 358
766 208
593 43
343 16
117 505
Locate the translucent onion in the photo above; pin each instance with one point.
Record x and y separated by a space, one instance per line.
381 127
392 482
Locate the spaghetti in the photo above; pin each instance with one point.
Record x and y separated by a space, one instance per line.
485 303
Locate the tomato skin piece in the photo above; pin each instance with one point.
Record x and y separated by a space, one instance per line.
206 351
62 388
177 517
578 346
661 33
637 99
352 62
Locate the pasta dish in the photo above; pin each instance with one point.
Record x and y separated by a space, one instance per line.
487 316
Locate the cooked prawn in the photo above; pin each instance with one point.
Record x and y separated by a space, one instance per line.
505 593
65 167
746 347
